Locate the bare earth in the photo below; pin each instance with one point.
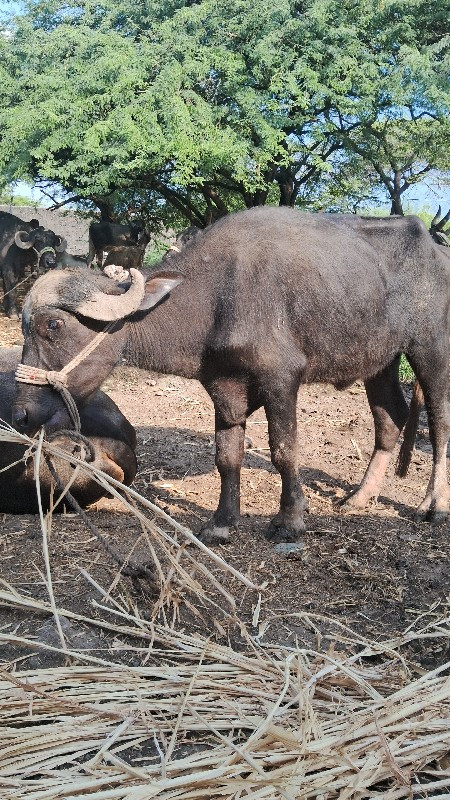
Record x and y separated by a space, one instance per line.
376 572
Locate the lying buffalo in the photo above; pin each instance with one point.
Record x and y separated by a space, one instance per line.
24 245
271 298
67 260
110 433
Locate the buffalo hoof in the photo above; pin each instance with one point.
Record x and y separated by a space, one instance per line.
214 534
277 532
435 517
356 501
14 315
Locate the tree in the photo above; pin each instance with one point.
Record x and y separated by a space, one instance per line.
404 132
189 110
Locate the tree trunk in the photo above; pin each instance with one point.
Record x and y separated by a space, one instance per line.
396 193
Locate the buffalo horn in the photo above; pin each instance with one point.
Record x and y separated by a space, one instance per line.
109 307
26 243
59 248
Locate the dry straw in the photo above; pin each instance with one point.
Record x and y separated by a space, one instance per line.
204 721
174 562
199 720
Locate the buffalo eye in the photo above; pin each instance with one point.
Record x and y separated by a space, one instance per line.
54 324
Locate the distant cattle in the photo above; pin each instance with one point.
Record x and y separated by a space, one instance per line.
270 298
105 235
126 256
22 245
110 433
67 260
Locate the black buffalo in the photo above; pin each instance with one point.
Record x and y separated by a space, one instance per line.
67 260
104 235
110 433
22 245
270 298
440 236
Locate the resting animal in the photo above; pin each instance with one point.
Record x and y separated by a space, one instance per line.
112 436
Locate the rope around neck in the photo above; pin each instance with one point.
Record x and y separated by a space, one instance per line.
58 380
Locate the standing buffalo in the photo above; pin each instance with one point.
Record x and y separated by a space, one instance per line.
271 298
111 435
22 245
126 256
440 236
104 235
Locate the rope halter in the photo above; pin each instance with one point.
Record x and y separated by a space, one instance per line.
44 250
58 380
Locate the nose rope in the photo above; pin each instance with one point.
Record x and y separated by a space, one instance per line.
58 380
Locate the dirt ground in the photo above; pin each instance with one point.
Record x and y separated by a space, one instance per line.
377 572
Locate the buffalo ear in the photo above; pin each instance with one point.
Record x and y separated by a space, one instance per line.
158 286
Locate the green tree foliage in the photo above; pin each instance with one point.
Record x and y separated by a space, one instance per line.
192 109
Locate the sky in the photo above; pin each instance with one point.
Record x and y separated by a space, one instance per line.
10 6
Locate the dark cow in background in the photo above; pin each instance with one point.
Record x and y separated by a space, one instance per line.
132 256
67 260
126 256
270 298
110 433
24 245
104 235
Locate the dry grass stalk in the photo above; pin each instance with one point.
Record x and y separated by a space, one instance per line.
205 721
185 568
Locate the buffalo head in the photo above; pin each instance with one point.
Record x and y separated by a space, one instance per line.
44 243
62 314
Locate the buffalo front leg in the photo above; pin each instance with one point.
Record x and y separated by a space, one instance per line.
288 525
229 455
390 411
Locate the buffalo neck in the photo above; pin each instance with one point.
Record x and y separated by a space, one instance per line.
171 337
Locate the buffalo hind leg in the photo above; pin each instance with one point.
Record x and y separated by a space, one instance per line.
432 373
232 407
390 411
288 525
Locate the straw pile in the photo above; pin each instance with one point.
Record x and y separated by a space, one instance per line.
207 721
199 720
